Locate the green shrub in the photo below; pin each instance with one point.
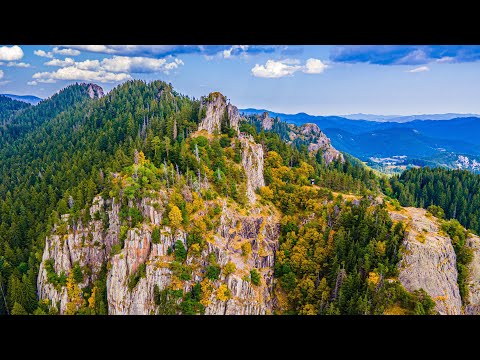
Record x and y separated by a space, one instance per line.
156 235
225 142
436 211
180 251
212 272
77 273
135 278
255 277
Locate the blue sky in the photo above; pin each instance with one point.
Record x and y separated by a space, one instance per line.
319 80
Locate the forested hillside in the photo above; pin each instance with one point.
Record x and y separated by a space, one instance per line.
30 117
65 158
457 192
146 201
8 107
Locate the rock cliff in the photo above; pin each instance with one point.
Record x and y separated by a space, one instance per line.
215 107
473 304
429 260
252 161
95 91
88 244
91 246
318 141
267 121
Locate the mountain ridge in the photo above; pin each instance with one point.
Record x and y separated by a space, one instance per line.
147 201
30 99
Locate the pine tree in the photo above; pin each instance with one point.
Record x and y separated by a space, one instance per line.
18 309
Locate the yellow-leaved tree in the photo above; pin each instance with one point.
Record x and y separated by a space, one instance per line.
223 293
74 294
175 217
91 299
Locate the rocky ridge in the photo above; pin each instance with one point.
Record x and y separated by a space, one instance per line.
252 161
318 141
215 106
91 245
473 302
267 121
429 263
95 91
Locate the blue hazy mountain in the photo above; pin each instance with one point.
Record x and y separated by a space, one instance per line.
370 117
31 99
437 141
406 118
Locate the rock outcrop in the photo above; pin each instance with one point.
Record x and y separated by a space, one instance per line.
95 91
472 306
215 107
88 244
91 245
429 261
267 121
318 141
252 161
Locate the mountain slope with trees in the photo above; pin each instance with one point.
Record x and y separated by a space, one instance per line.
132 203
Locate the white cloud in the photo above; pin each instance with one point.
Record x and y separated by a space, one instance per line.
42 53
227 53
95 48
274 69
445 59
173 65
314 66
1 74
11 53
66 51
5 82
413 58
138 64
120 64
76 73
287 67
60 63
57 50
32 83
419 69
235 49
18 64
115 69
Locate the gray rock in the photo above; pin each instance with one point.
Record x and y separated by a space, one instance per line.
473 304
216 105
429 263
252 161
91 245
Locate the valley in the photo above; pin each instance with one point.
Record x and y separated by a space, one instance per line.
448 142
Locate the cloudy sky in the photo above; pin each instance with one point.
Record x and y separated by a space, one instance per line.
318 80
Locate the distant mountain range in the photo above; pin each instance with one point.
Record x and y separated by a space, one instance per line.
422 141
372 117
31 99
407 118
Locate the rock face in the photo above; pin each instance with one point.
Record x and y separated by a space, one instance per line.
91 245
267 121
139 250
215 106
429 262
95 91
310 129
252 161
473 304
319 141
